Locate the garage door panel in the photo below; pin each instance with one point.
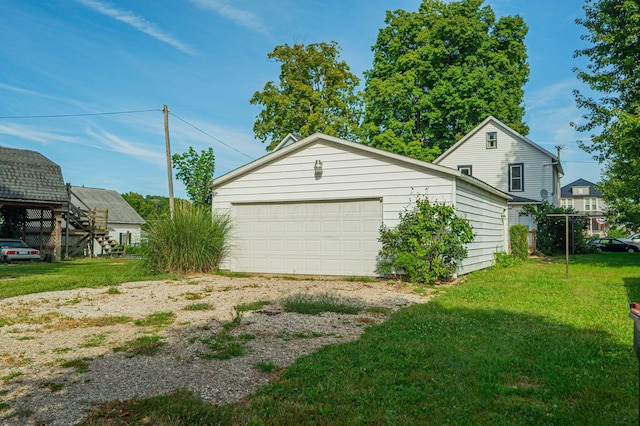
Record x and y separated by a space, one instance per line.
329 238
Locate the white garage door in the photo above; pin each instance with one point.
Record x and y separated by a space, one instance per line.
324 238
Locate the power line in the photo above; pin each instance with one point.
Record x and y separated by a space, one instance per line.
213 137
78 115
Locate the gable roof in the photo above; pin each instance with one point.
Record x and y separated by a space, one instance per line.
505 129
567 190
28 177
101 199
321 137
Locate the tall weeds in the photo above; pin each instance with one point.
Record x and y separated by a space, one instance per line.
193 241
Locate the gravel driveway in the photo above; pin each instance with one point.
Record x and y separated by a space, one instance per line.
61 353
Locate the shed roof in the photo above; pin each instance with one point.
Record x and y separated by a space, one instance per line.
95 198
28 177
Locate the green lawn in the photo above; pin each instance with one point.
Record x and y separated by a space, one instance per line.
38 277
515 346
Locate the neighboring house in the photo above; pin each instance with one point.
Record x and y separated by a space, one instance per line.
583 197
316 207
503 158
30 181
122 220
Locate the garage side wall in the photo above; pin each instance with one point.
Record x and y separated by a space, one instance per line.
347 174
487 214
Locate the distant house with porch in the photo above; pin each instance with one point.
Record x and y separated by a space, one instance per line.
582 196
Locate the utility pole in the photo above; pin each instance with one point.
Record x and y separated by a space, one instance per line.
165 110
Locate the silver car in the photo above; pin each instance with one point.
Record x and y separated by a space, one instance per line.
12 250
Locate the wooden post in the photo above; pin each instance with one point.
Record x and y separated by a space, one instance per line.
165 110
57 251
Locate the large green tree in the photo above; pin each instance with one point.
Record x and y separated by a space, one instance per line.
613 73
195 170
316 93
439 72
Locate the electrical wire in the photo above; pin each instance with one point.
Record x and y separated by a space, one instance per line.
212 137
77 115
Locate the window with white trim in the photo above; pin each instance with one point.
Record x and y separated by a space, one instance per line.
591 204
465 170
516 177
492 140
567 203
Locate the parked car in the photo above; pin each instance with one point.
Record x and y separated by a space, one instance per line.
13 250
631 239
613 244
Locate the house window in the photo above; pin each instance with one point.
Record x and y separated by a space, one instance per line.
567 203
465 170
591 204
516 177
492 140
125 236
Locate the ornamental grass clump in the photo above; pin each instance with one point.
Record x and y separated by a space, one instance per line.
194 241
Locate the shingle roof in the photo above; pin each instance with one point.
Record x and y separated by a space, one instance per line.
567 190
119 210
28 176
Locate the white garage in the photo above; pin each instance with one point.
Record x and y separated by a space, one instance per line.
317 205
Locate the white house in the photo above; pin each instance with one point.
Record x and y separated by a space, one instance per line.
122 220
503 158
316 207
582 196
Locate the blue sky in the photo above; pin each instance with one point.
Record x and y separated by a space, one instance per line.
205 59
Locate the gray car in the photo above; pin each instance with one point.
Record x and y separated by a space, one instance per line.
12 250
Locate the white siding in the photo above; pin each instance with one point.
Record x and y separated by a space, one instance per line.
353 173
347 174
491 165
487 215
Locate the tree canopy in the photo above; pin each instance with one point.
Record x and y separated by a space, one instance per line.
613 73
150 207
196 172
316 93
439 72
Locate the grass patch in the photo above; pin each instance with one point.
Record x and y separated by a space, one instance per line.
113 290
80 365
38 277
192 296
145 345
314 304
251 306
53 387
178 408
515 346
94 340
199 307
11 376
266 366
156 319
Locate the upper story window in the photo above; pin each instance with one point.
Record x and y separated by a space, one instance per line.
580 190
516 177
492 140
591 204
465 170
567 203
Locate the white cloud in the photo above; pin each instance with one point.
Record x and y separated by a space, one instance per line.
138 23
241 17
111 142
43 137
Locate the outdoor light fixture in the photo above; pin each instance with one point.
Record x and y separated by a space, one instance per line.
318 167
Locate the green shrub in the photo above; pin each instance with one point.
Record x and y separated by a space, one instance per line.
551 235
427 244
617 233
518 235
503 259
193 241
